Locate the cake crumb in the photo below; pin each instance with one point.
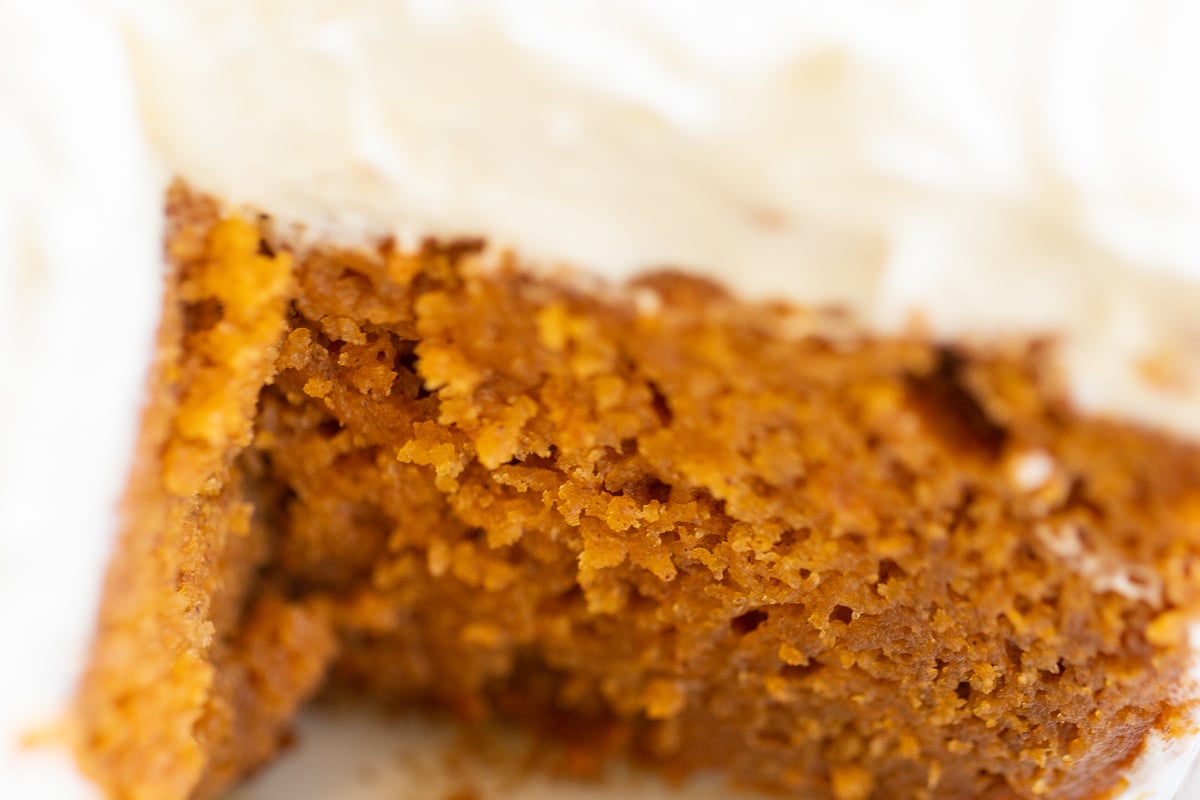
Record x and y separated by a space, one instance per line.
851 783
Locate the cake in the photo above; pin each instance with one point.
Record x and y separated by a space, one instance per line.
696 384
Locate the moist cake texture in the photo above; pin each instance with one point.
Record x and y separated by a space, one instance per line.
703 531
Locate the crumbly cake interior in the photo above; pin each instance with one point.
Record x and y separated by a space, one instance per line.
679 525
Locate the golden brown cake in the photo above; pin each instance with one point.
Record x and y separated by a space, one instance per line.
835 565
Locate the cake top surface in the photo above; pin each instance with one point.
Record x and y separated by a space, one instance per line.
981 170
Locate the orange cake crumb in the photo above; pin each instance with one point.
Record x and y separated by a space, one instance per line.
724 533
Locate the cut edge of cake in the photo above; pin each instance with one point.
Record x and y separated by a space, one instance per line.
993 422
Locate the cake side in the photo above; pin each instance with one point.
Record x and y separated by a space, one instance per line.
725 533
180 645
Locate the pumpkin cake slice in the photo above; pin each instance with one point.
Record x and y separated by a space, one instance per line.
803 394
717 532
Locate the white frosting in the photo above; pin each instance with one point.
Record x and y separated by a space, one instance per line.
1025 167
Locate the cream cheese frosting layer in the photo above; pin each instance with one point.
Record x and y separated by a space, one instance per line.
989 169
